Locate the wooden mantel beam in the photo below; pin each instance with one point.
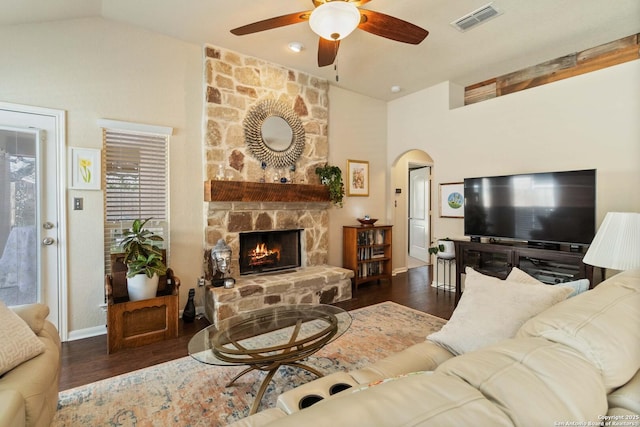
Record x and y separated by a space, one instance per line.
244 191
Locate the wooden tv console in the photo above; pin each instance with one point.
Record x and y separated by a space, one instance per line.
497 259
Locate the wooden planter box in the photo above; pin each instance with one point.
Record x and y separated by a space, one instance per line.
136 323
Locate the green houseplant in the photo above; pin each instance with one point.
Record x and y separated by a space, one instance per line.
445 246
143 259
331 176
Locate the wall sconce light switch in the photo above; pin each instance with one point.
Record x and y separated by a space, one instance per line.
78 203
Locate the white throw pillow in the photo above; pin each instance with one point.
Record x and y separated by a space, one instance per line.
18 343
517 275
491 310
577 286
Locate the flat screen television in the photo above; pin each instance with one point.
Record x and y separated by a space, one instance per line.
550 207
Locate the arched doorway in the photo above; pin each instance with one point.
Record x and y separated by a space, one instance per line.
411 216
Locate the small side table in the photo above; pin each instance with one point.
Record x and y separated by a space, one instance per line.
446 284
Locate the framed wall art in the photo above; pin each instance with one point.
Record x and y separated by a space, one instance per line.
85 169
452 200
357 178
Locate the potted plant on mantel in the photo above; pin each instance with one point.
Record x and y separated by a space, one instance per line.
445 247
143 259
331 176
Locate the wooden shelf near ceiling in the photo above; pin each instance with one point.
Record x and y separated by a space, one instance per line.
596 58
243 191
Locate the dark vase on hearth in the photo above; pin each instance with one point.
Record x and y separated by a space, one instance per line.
189 313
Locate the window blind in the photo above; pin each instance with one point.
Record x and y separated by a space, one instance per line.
135 176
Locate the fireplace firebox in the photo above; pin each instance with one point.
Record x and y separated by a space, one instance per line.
263 251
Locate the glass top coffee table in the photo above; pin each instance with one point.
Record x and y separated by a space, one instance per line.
268 338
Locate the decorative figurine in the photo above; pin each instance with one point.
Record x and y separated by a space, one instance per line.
220 176
221 260
292 173
263 165
189 312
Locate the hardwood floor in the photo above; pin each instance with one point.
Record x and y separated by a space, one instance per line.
86 360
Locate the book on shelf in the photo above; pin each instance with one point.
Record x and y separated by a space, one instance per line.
377 252
371 237
367 253
370 269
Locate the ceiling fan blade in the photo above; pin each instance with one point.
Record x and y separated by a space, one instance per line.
271 23
391 28
356 3
327 51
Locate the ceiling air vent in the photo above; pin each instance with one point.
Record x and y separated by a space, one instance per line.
476 17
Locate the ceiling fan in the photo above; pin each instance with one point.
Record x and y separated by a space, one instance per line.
333 20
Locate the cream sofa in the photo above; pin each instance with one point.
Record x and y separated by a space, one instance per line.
29 392
574 363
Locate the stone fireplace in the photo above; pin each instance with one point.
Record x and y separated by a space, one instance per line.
249 199
268 251
235 83
229 221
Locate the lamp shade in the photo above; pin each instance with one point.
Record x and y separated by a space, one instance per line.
617 242
334 20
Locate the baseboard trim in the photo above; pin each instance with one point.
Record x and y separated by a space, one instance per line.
444 286
399 270
87 333
102 329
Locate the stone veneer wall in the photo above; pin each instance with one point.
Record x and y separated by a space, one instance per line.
234 84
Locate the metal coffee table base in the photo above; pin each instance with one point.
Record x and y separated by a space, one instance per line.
271 371
266 339
227 346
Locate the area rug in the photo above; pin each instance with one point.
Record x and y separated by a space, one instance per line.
185 392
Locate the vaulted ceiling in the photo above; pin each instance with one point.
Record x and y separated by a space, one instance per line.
526 33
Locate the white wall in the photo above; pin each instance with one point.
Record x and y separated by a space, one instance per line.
357 131
94 68
588 121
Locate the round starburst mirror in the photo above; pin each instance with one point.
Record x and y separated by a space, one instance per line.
274 134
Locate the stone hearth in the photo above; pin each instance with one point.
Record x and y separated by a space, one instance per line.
322 284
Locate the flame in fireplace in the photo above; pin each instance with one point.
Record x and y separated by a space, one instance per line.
262 255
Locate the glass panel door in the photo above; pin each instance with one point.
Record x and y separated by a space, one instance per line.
32 204
19 249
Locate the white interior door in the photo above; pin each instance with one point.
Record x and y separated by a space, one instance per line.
419 213
31 207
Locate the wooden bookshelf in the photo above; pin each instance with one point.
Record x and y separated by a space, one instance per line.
367 251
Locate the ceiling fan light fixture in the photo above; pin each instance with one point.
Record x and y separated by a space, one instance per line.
334 20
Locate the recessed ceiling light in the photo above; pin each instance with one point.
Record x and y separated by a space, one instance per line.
395 89
296 47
